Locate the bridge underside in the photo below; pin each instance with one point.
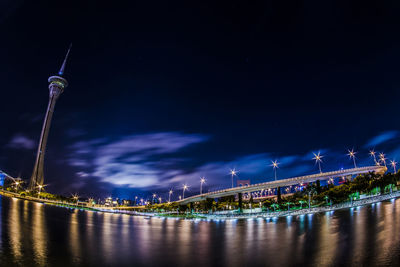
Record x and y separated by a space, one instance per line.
283 183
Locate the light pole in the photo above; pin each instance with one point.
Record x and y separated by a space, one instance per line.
372 154
75 197
393 163
318 159
274 165
202 181
16 185
180 197
184 189
136 200
382 158
233 172
352 155
159 200
40 189
154 196
169 195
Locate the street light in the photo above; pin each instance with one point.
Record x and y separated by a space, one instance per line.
169 195
184 189
202 181
352 155
382 158
233 172
318 159
40 189
274 165
372 154
159 200
393 163
75 197
17 183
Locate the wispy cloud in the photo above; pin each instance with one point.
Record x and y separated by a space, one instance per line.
136 161
20 141
381 138
158 161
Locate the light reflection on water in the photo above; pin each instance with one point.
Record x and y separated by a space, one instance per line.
15 230
41 235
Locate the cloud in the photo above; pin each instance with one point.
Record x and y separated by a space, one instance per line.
20 141
381 138
255 167
136 161
155 162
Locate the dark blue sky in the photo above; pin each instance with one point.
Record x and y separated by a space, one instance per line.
163 92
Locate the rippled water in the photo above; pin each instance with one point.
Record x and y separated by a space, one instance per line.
37 234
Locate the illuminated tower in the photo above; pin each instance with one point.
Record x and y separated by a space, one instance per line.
56 87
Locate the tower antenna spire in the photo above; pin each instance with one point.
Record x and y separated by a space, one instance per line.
61 72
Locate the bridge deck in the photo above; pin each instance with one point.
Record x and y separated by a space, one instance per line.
282 183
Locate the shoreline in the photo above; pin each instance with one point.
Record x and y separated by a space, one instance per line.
205 216
340 206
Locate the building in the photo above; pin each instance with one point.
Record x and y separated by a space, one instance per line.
56 88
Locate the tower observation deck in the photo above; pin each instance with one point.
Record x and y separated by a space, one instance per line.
57 84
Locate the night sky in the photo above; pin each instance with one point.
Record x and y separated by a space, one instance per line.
164 92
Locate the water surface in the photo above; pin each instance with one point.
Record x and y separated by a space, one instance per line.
42 235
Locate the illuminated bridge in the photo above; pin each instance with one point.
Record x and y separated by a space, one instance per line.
283 183
3 176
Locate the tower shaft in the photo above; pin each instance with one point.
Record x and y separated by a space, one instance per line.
56 87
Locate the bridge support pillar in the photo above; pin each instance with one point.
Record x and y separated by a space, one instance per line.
191 207
240 197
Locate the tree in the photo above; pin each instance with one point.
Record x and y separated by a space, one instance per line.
318 186
278 195
301 203
310 190
275 205
251 201
288 204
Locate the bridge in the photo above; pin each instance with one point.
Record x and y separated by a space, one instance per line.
282 183
3 176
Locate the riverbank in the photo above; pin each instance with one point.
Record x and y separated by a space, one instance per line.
345 205
271 214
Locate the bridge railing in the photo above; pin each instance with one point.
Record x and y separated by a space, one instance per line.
289 180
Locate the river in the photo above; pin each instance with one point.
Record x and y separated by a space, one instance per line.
34 234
